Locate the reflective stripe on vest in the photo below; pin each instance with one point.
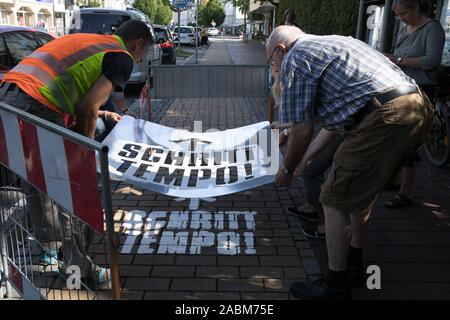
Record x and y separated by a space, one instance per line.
60 73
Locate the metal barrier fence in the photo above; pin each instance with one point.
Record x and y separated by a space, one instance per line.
211 81
56 219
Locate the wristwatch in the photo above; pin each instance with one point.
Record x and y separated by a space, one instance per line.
398 60
286 169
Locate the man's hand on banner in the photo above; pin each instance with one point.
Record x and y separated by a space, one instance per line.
114 117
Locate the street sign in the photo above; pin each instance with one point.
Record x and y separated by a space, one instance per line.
213 23
180 3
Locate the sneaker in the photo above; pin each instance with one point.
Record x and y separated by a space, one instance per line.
313 233
49 262
310 216
102 278
49 258
318 290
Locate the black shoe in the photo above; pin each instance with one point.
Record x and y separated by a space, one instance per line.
392 187
356 277
303 215
318 290
313 233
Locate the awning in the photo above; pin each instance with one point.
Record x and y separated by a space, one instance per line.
265 7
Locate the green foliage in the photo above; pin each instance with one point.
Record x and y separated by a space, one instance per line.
158 11
213 10
323 17
243 5
91 3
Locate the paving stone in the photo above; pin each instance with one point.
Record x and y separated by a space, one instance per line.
240 285
430 291
261 272
264 296
294 272
147 259
217 272
193 285
196 260
280 261
135 271
173 272
238 261
167 295
144 284
132 295
216 296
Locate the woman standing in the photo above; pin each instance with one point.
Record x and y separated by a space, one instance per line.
418 52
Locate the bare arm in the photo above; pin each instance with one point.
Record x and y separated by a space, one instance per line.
414 63
87 109
299 138
320 142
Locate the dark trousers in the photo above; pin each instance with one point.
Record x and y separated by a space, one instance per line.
313 175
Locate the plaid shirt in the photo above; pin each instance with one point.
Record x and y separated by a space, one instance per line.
326 79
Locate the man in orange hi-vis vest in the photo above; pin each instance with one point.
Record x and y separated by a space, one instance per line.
73 75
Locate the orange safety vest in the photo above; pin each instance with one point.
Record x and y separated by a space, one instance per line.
62 71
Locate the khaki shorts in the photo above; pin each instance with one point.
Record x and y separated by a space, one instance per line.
374 151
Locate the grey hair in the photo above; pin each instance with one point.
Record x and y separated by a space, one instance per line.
284 35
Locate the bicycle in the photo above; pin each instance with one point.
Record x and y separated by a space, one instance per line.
436 144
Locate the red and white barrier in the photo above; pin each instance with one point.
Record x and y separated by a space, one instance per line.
58 167
22 284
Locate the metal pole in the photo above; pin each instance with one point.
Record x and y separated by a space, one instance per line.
360 28
179 26
196 31
54 17
113 243
3 255
384 31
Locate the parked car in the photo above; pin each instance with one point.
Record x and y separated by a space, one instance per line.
107 21
18 42
187 35
165 41
213 32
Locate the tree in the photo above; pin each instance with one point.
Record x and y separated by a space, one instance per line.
213 10
90 3
158 11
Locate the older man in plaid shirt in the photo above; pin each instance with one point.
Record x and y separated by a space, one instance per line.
346 87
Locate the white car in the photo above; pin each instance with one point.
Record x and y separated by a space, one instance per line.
106 21
186 35
213 32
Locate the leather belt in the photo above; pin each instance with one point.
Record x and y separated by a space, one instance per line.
395 93
383 98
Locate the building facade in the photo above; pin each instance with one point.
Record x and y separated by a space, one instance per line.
262 17
234 18
50 15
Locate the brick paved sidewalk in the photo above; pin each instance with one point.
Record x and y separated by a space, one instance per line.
412 246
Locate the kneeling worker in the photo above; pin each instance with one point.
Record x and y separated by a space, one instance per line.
73 75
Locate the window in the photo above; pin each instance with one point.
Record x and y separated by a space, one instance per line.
445 21
45 38
5 63
20 45
186 30
161 34
101 23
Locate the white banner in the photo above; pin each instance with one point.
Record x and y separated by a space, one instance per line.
197 164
